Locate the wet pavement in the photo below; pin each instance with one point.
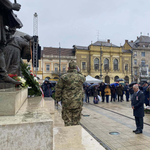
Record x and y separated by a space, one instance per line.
103 118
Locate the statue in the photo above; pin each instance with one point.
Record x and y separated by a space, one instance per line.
9 19
17 48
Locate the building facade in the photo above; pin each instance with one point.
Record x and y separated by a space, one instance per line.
140 57
104 60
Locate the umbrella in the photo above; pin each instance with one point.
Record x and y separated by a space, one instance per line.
132 83
115 84
120 79
85 83
96 84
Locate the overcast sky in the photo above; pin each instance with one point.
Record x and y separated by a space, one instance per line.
77 22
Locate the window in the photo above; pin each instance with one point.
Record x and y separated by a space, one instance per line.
96 63
126 79
56 67
106 64
47 67
143 54
107 79
115 64
83 65
64 69
135 72
36 69
116 77
135 62
135 53
126 67
142 62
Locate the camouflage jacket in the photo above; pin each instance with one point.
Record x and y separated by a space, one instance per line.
69 89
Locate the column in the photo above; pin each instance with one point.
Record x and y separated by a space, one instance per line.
120 64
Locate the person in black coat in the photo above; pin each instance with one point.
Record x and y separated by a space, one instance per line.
102 88
137 104
46 87
113 93
146 93
87 92
126 89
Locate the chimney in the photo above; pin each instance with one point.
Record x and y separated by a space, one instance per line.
131 41
126 41
108 41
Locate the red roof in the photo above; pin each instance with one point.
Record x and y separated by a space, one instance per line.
55 51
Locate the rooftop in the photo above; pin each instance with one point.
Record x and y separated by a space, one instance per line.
55 51
104 43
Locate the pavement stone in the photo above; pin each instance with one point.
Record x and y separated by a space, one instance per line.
101 122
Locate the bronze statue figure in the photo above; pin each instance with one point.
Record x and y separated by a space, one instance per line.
17 48
7 18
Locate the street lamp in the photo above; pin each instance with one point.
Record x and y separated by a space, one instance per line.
59 61
131 65
101 61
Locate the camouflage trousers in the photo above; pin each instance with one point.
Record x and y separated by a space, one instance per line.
71 116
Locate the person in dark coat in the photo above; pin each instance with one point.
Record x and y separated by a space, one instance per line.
87 92
113 93
46 87
119 90
140 87
146 93
131 92
137 104
102 88
126 89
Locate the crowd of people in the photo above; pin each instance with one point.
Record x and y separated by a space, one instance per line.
114 92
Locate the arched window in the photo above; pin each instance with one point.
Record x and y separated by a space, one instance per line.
96 63
97 77
115 64
107 79
126 79
116 77
106 64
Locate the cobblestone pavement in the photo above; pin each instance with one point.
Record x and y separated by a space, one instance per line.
115 117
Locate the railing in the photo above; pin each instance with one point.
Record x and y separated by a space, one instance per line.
57 72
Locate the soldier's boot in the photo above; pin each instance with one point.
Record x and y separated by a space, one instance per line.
3 73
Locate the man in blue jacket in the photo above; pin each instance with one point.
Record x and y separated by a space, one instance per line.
137 104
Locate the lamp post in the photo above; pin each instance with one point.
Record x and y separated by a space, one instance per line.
131 65
59 61
101 61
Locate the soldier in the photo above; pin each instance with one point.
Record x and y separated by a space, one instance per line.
69 90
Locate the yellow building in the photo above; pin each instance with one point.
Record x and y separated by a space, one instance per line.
104 60
49 63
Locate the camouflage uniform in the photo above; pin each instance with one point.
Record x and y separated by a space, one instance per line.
69 90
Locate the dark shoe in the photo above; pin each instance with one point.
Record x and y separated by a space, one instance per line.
135 131
10 80
138 132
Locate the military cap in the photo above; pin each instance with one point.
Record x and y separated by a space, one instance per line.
72 65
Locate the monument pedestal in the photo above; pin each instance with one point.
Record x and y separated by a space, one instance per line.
30 129
6 86
11 100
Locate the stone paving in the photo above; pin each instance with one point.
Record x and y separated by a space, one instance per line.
101 122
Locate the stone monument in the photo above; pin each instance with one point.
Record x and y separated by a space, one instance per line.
7 19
